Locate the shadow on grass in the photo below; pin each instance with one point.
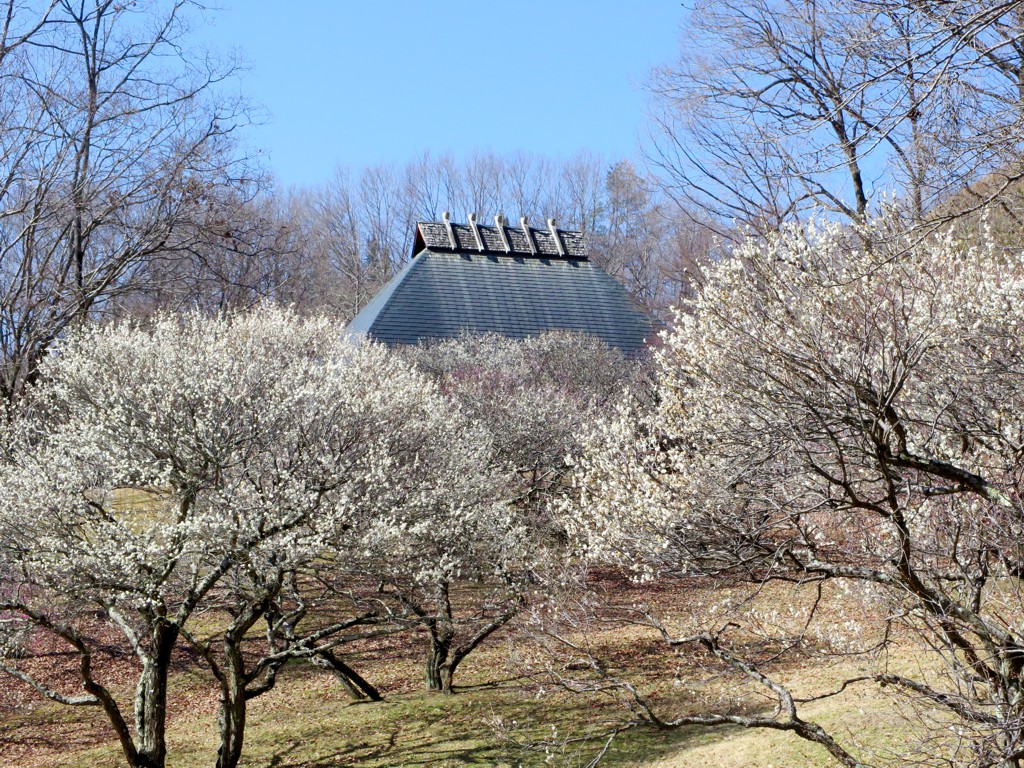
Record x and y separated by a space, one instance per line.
431 730
49 731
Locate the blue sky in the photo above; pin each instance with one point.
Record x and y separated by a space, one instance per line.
360 83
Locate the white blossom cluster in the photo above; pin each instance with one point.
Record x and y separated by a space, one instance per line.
815 372
533 396
846 406
159 472
155 454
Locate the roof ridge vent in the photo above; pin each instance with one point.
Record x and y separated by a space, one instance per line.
447 218
499 222
556 236
529 235
476 232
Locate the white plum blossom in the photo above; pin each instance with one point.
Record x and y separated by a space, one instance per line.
155 463
836 404
525 400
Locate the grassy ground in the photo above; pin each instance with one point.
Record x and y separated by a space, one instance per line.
307 721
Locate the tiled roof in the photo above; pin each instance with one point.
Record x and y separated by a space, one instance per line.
443 293
499 239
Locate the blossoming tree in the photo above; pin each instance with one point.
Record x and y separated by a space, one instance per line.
835 415
526 399
155 467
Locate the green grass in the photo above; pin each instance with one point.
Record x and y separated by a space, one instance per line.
307 721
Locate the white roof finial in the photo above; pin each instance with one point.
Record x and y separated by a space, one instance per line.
529 234
499 223
553 229
476 232
446 217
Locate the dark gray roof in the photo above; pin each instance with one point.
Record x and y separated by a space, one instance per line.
498 239
442 293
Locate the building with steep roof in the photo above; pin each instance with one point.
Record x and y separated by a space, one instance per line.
513 281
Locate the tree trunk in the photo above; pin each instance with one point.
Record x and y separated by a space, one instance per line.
358 688
439 676
463 650
1010 739
151 700
231 721
233 679
442 633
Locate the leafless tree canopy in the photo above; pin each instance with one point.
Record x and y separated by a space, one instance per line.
332 247
112 155
778 107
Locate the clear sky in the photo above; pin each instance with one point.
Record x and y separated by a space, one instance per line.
360 83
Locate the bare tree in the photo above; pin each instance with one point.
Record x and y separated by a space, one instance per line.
109 153
338 238
253 247
647 242
781 106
